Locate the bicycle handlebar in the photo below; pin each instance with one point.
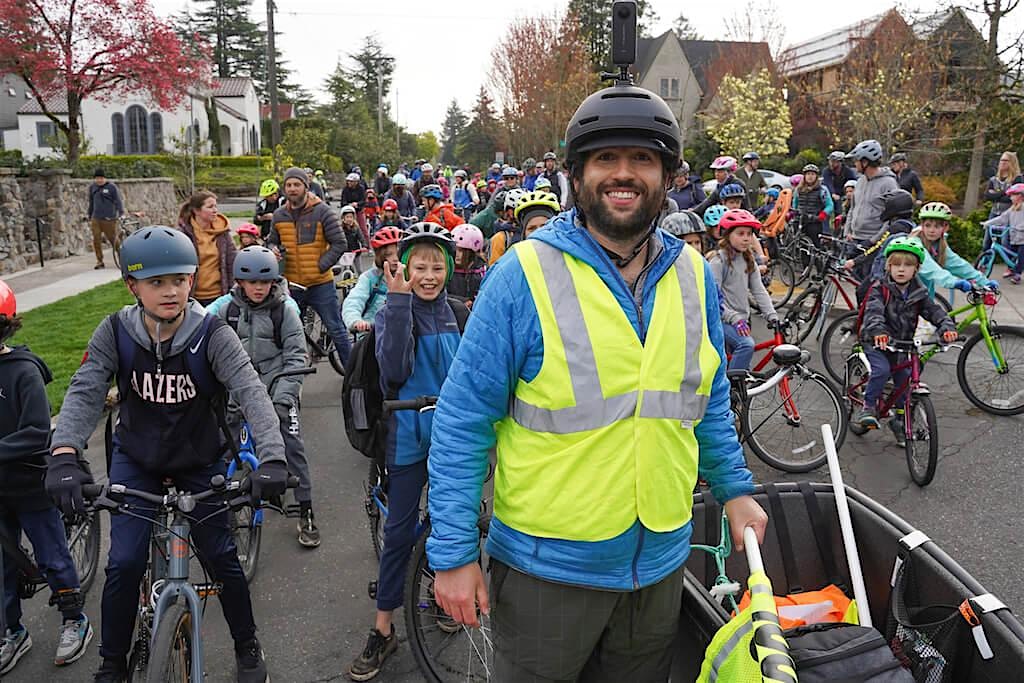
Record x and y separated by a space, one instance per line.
294 372
234 493
418 403
910 345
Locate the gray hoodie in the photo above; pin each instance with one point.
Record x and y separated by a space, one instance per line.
736 286
83 403
865 220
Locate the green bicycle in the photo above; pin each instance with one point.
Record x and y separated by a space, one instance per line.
989 370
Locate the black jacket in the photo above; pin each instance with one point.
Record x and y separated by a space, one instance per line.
911 182
889 311
24 427
835 182
355 194
713 198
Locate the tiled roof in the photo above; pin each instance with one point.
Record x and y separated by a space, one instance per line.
55 104
231 87
828 49
285 111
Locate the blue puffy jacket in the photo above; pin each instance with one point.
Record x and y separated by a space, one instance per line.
365 299
416 342
501 344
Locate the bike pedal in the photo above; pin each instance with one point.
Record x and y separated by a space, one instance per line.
292 510
371 589
205 590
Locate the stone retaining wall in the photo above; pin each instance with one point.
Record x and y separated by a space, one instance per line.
61 202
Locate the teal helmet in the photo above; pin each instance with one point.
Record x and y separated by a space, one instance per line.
713 214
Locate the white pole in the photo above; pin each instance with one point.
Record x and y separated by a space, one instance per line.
752 549
860 593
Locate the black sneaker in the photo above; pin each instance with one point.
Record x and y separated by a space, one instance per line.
112 670
378 648
252 667
898 430
309 535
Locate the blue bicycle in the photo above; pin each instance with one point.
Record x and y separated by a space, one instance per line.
987 259
248 521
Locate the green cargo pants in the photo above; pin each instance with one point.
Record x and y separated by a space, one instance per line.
548 632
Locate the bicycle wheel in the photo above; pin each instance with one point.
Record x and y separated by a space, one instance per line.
781 279
115 248
444 650
986 260
171 657
373 512
783 426
837 344
84 545
319 343
922 440
855 379
247 529
803 313
993 379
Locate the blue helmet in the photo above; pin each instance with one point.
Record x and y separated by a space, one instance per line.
713 214
772 192
431 192
731 190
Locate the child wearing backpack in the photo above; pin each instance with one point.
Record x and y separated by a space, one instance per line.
738 280
506 230
470 267
891 309
361 305
174 365
417 334
24 505
267 322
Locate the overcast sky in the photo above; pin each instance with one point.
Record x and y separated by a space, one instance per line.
443 47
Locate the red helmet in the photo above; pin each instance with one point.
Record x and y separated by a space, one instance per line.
738 218
8 304
390 205
385 236
248 229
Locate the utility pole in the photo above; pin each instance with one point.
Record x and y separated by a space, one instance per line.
398 128
380 93
275 118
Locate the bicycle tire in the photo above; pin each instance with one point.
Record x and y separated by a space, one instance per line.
84 547
468 653
985 262
247 532
171 656
781 283
803 313
138 665
922 471
837 344
1013 357
373 513
115 248
761 413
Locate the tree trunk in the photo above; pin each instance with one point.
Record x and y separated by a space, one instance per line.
974 174
73 131
213 122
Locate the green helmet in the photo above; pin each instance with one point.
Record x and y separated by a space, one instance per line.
157 250
269 187
911 245
935 210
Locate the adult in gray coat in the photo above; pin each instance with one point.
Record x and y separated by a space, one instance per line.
865 219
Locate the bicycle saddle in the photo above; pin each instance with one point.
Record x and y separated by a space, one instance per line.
787 354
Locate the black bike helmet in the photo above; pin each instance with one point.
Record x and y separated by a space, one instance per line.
157 250
256 263
897 204
623 116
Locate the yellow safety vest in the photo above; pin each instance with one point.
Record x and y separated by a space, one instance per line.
603 435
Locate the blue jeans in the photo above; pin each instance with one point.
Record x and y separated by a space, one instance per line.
882 363
1018 249
405 486
129 552
324 300
741 348
45 531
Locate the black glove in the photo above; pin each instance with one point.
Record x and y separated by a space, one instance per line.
64 479
269 480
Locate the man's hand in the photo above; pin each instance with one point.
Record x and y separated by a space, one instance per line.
361 326
743 512
396 280
459 591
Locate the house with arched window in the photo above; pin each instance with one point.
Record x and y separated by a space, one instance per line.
132 125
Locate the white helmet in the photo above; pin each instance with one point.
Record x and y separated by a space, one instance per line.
354 177
427 167
512 197
348 208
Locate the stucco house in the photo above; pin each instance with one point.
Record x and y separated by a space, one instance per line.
686 73
131 125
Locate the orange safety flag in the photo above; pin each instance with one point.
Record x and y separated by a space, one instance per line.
827 605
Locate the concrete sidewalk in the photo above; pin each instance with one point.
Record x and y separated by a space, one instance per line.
59 279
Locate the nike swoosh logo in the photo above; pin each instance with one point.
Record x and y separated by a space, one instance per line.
195 348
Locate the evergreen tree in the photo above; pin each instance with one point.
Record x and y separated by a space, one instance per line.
370 60
455 122
233 35
683 29
479 141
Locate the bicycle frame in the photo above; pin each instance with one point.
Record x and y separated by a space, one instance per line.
767 345
996 236
904 391
976 304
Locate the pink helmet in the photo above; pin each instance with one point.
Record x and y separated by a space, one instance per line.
724 163
796 179
468 236
1016 188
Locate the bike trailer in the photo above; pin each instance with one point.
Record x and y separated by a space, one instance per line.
938 621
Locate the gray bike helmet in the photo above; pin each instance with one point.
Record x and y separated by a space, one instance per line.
623 116
870 150
256 263
898 156
837 155
157 250
681 223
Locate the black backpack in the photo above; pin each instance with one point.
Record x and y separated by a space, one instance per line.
362 400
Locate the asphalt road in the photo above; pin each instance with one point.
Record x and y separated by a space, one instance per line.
312 606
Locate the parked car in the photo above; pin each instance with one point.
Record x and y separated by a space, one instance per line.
772 178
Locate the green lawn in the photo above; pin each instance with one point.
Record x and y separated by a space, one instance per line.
60 332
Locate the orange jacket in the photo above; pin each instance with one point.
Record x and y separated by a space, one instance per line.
445 215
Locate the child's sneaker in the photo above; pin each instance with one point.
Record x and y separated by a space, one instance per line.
1015 279
75 636
866 419
899 431
378 648
13 647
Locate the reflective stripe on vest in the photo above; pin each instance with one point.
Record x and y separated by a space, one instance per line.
603 435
